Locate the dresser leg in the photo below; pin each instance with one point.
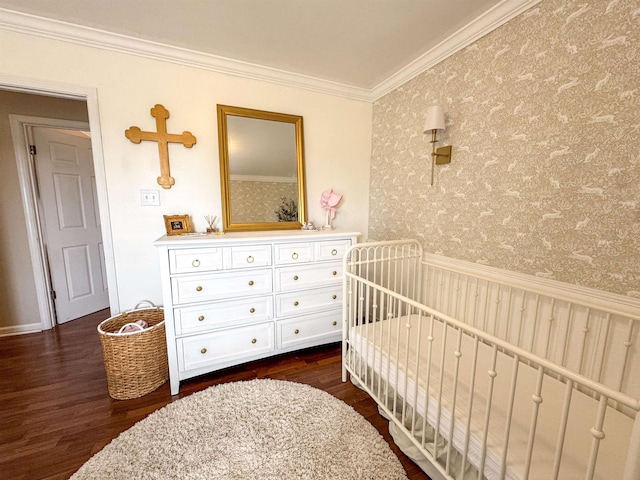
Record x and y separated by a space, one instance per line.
175 386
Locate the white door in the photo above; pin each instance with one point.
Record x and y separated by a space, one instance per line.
70 221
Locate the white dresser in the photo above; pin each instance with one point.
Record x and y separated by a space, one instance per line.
237 297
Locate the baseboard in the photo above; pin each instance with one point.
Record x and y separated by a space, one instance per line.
20 329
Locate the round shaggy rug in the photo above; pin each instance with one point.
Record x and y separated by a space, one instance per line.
258 430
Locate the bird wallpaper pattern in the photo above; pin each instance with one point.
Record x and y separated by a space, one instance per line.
544 117
255 201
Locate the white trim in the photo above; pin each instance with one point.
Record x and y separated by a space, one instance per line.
88 94
26 177
599 299
479 27
20 329
57 30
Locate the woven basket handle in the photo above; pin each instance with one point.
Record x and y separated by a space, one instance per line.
143 303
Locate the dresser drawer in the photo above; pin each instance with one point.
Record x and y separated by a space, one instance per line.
300 330
308 301
225 345
222 314
249 256
195 260
216 286
288 253
331 250
306 276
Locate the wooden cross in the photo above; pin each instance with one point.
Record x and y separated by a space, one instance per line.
163 138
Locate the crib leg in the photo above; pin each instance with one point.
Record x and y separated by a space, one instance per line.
344 368
632 467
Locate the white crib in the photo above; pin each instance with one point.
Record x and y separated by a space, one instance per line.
485 373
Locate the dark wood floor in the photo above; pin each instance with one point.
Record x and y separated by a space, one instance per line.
55 410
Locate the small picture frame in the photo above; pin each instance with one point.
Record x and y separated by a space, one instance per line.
177 224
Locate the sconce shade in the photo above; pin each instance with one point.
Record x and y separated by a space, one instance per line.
435 119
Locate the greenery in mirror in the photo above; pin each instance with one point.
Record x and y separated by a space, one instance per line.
288 211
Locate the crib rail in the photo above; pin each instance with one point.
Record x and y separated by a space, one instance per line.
590 332
454 358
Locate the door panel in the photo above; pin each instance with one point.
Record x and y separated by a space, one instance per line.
69 202
71 226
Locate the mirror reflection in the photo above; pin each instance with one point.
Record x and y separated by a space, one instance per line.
262 169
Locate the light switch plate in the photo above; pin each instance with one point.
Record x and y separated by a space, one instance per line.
149 198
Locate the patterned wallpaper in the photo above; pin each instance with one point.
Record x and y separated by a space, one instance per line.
544 118
258 201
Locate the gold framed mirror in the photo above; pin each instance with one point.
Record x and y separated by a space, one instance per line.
261 170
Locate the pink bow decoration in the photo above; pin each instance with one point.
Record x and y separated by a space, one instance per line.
329 201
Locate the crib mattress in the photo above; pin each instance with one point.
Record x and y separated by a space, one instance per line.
394 359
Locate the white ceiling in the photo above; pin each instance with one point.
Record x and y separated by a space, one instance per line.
364 47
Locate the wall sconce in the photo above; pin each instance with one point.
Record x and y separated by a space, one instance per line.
433 123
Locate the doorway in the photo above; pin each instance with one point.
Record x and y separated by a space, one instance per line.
69 219
101 275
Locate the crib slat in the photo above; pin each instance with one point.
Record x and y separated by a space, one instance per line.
475 304
457 296
443 353
585 335
487 303
507 430
417 369
598 435
563 428
467 436
535 325
405 363
627 344
603 349
487 415
550 320
537 400
496 321
507 336
456 369
427 387
567 330
521 320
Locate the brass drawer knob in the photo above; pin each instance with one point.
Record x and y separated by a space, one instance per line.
335 273
250 259
295 304
201 318
295 277
196 263
334 297
252 310
335 323
198 288
294 256
296 331
250 282
254 340
334 252
203 351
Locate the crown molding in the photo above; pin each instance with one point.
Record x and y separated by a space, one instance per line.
479 27
67 32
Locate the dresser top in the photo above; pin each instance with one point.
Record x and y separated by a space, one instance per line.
206 239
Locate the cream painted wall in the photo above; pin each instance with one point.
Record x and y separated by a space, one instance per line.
18 292
337 134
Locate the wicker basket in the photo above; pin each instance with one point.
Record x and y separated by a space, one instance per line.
136 363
